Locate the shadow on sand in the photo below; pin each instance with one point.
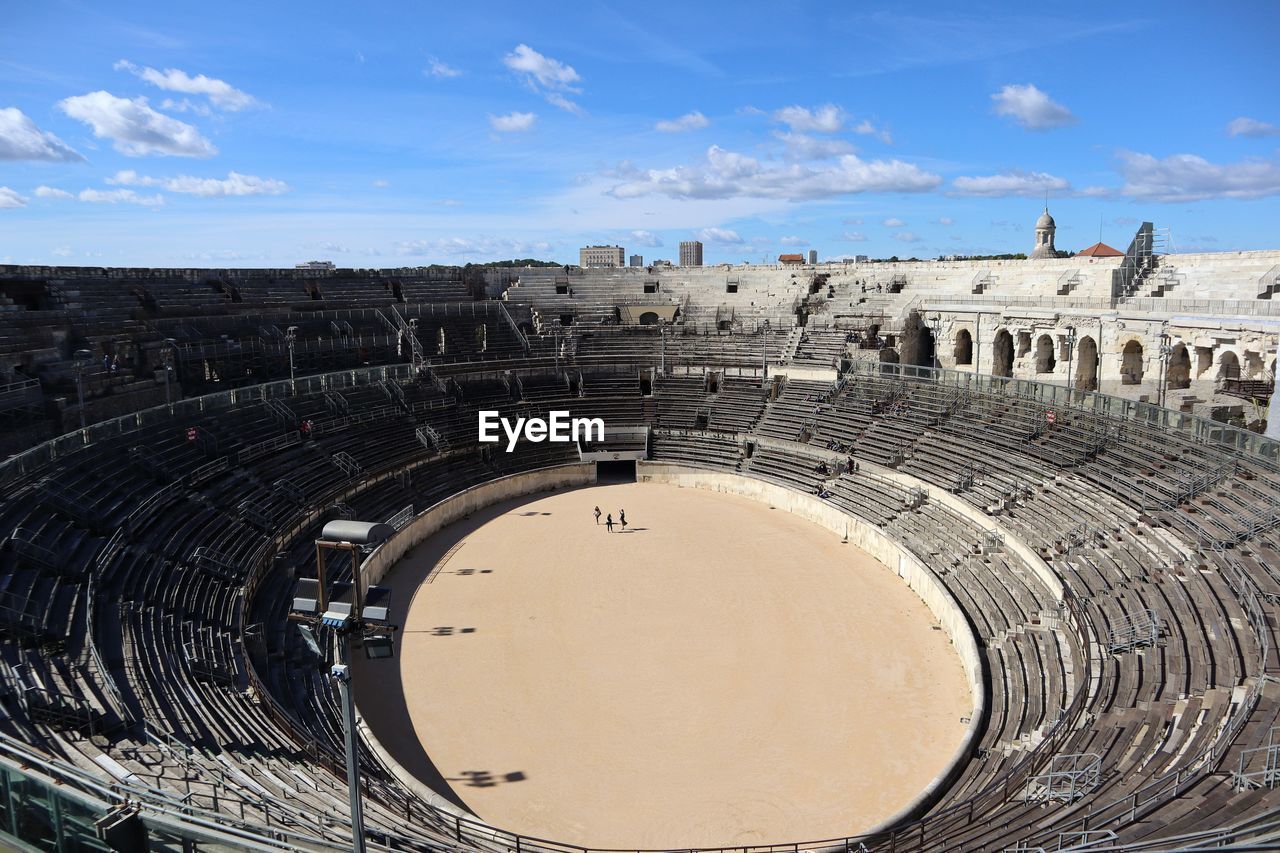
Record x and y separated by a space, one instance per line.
379 691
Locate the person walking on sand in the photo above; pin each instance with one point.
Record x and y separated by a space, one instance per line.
622 517
597 515
608 523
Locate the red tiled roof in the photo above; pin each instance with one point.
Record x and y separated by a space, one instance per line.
1100 250
796 259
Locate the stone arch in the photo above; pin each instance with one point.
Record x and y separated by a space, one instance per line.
888 355
649 318
1178 375
1253 365
963 351
1131 364
1087 364
1002 354
1045 361
1228 365
917 346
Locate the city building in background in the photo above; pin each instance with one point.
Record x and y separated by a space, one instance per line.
690 253
600 257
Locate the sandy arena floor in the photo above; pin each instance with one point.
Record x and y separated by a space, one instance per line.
723 673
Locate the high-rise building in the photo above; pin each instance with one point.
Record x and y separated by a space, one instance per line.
813 256
600 257
636 261
690 253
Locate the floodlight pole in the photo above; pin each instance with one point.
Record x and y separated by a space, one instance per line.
937 336
348 626
341 673
167 353
764 356
1071 352
291 336
80 391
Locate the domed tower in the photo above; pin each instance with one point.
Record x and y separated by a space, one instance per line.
1045 229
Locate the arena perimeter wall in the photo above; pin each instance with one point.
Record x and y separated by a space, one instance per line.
860 533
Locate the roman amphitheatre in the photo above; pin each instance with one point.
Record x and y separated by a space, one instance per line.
946 555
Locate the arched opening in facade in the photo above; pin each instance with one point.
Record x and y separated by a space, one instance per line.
1131 364
964 347
1002 354
1253 365
1045 361
888 356
1087 364
649 318
1179 374
1229 366
917 346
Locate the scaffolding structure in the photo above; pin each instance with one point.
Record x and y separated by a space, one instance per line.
1141 628
1068 778
1259 767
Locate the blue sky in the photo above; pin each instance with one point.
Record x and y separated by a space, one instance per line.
400 133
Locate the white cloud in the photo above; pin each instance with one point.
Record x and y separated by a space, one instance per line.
134 128
52 192
801 146
727 174
722 236
186 105
946 220
893 222
1251 128
20 139
512 122
548 72
853 220
220 93
646 238
462 247
546 76
689 121
436 68
555 99
907 237
866 128
381 183
1014 183
10 200
61 252
234 184
328 246
1031 108
855 236
120 197
827 118
793 241
1186 177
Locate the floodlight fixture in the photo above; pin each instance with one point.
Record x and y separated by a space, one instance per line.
379 646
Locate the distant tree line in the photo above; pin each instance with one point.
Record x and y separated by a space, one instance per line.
517 262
